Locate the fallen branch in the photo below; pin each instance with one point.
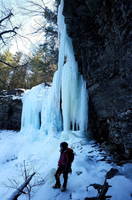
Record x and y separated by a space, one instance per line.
102 189
20 190
102 193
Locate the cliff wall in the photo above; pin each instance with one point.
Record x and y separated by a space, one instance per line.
100 31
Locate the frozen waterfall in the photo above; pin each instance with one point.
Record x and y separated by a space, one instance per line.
64 105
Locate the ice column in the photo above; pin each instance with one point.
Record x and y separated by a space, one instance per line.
73 88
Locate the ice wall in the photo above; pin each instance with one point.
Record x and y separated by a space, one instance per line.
32 106
63 106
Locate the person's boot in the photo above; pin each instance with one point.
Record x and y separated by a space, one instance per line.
56 186
63 189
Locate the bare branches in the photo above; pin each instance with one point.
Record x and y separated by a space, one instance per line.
27 173
6 17
40 9
37 5
34 9
7 29
19 190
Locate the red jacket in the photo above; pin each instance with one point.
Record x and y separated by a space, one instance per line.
64 160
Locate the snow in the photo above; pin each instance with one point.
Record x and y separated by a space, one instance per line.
123 186
41 155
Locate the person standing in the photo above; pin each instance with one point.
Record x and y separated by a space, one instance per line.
64 165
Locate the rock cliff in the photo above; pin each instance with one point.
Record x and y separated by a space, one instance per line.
10 110
100 31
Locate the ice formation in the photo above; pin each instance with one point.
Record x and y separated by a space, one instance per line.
63 106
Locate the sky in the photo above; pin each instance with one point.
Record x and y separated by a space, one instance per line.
28 41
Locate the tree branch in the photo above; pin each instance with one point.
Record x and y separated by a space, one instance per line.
7 17
19 191
9 31
37 5
8 64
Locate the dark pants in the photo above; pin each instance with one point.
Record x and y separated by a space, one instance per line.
65 176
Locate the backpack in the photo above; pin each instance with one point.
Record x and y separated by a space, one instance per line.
70 154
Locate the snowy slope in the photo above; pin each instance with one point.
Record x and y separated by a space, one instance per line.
42 155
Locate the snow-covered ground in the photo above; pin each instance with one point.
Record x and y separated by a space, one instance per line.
41 154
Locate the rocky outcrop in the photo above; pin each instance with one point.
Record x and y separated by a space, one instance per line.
100 31
10 110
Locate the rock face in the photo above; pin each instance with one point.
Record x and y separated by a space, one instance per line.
10 111
100 31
